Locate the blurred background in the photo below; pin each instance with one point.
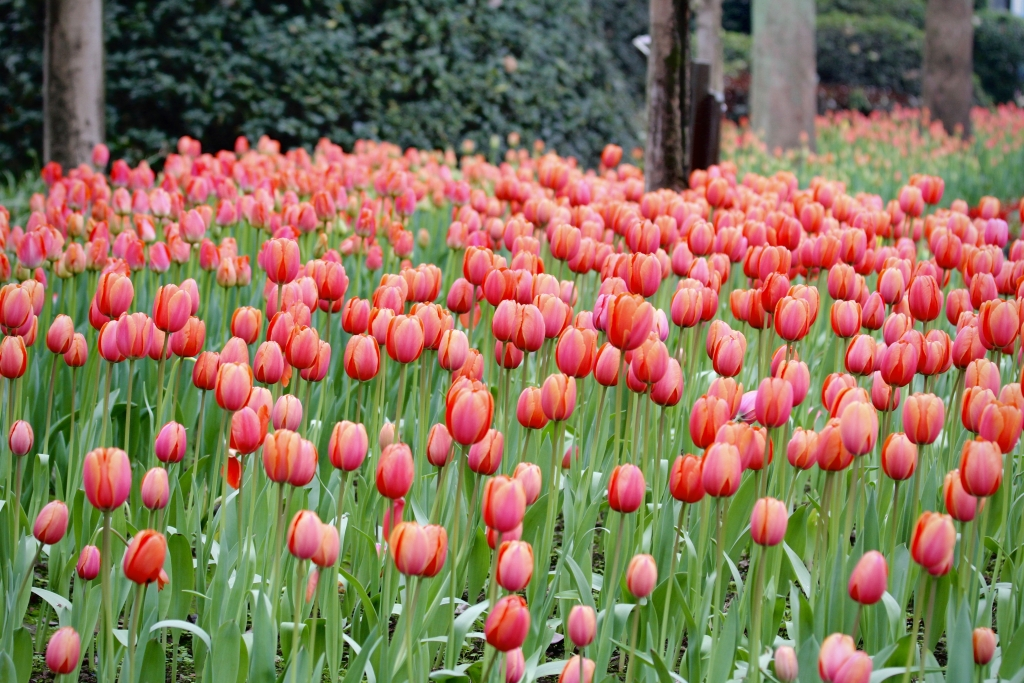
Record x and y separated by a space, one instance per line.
436 73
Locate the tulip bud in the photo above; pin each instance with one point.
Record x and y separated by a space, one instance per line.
409 546
932 543
768 522
155 489
63 650
786 667
983 639
515 663
437 550
960 505
507 624
51 523
571 670
395 471
88 567
144 560
869 579
20 438
582 625
641 576
106 478
170 444
515 565
835 650
348 445
981 468
529 475
684 479
626 489
60 334
899 457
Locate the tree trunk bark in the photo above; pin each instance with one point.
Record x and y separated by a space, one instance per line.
73 96
948 63
709 40
667 97
784 79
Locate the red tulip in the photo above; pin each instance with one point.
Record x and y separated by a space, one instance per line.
144 560
933 541
515 565
626 489
870 578
508 623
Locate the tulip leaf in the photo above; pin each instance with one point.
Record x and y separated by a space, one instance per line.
803 577
153 663
358 665
184 626
1013 654
182 576
465 621
224 654
57 602
8 673
807 660
959 645
586 595
550 668
479 563
721 664
364 599
23 654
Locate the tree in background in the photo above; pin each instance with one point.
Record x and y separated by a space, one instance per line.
948 62
72 80
784 74
667 64
709 40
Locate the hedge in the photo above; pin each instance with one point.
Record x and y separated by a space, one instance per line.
428 73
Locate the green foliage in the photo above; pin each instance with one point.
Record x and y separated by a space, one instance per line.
736 52
999 54
869 51
909 11
427 73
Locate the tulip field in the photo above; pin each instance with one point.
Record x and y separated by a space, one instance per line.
401 416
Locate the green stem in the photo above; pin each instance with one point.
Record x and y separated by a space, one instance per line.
108 605
128 405
133 628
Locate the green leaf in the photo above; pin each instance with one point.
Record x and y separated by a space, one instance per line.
586 595
184 626
23 654
465 621
224 654
1013 654
58 602
182 576
807 658
8 673
364 599
722 661
358 665
959 644
803 577
479 563
153 663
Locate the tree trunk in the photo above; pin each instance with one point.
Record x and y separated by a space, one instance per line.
72 80
667 110
784 79
709 40
948 63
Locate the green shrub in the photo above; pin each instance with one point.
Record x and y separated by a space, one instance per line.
999 54
428 73
869 51
909 11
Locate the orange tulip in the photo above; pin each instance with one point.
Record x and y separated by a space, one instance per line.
508 623
144 560
981 468
960 505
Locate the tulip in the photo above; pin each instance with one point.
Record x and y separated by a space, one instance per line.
630 320
1000 423
155 489
802 450
960 505
983 639
529 476
51 523
860 355
786 667
684 479
439 446
60 334
284 459
468 413
437 550
410 547
395 471
981 468
774 402
858 428
281 259
77 353
982 373
348 445
721 469
20 438
172 307
405 338
504 503
582 625
88 567
606 365
515 565
626 489
508 623
708 415
835 650
204 372
832 456
529 411
13 357
899 456
869 579
362 358
641 576
932 543
144 560
234 382
304 534
268 363
727 358
106 478
856 669
287 413
452 350
63 650
924 298
571 670
515 665
792 318
558 397
768 522
998 323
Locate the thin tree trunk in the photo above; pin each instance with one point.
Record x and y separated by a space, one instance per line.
709 40
667 97
948 63
784 79
72 80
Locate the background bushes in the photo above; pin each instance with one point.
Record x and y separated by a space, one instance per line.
428 73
